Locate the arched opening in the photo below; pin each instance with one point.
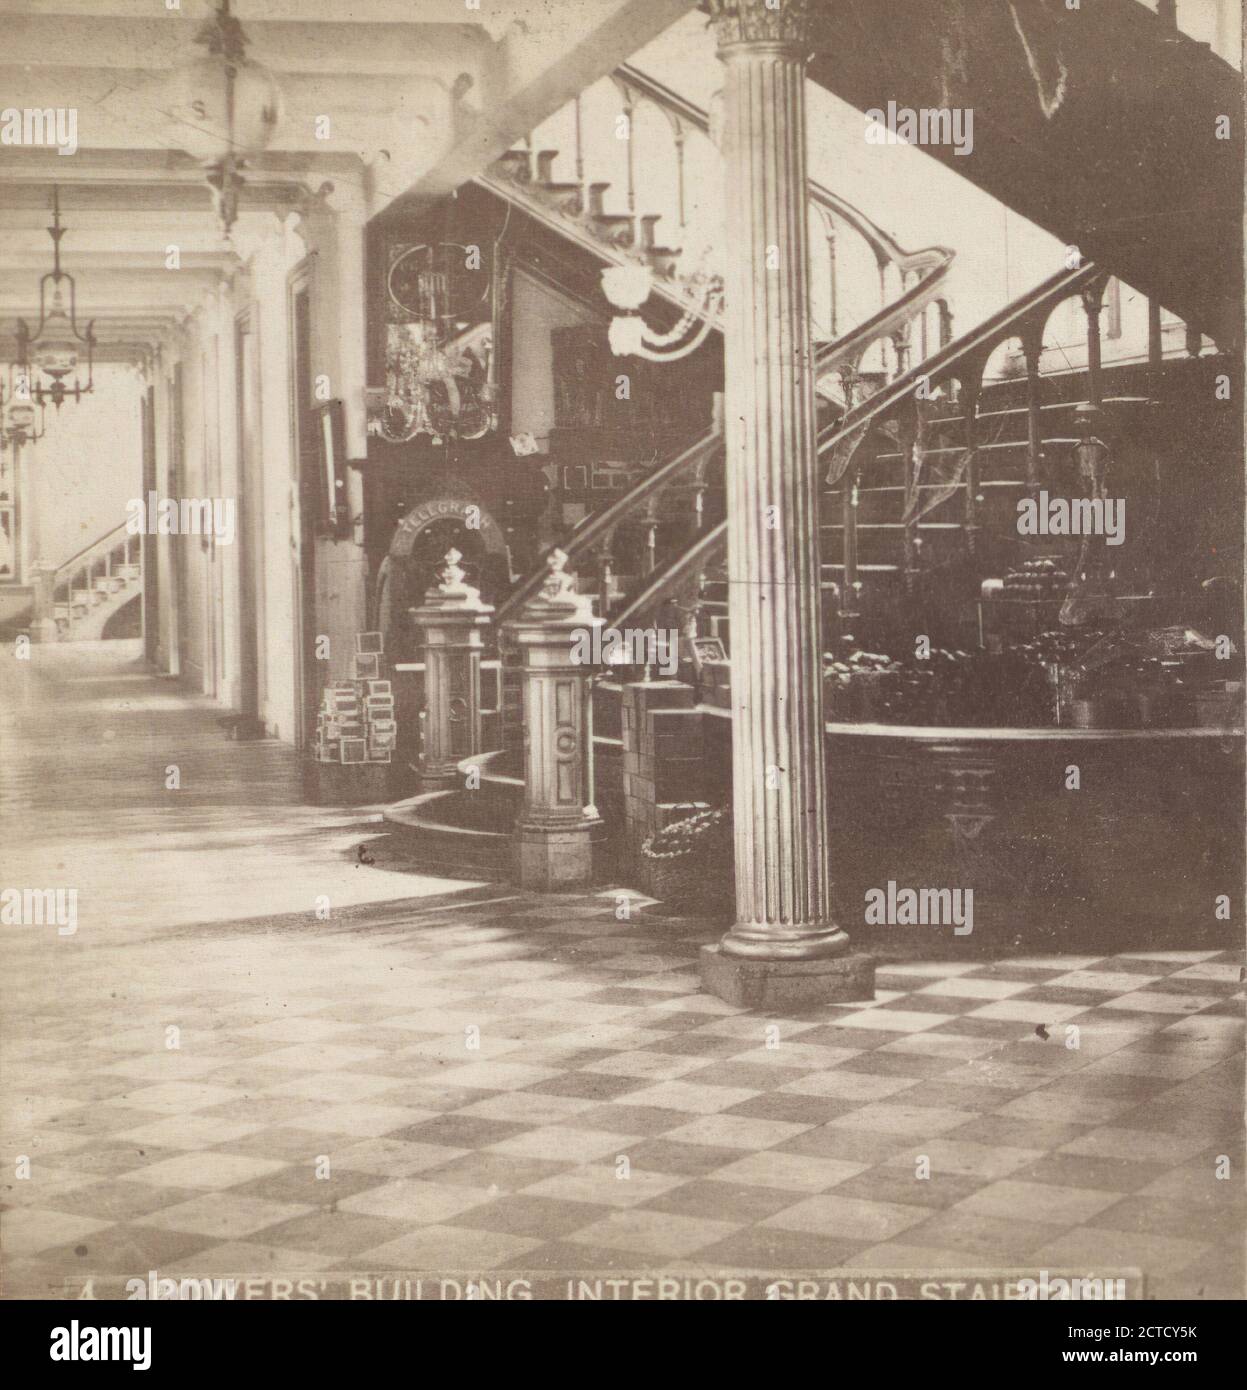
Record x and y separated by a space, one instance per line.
419 543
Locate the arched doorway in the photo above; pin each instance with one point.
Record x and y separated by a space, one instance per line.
419 543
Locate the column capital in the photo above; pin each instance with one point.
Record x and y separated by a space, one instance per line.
747 22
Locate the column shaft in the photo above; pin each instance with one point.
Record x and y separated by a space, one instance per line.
782 872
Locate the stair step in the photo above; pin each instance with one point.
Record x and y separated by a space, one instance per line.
628 229
579 200
516 165
664 260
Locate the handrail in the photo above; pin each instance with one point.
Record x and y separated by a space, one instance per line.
881 243
855 341
978 342
929 267
96 544
885 248
603 522
669 580
989 334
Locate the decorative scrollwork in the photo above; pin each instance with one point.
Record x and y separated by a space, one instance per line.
762 21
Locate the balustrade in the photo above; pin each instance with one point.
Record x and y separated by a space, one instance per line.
846 446
70 590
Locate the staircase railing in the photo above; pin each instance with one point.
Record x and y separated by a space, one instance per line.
689 470
963 360
661 182
85 578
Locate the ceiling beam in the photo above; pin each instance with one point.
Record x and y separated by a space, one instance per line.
137 108
494 16
112 251
259 193
104 282
538 67
160 166
166 40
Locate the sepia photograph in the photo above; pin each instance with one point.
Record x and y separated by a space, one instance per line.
621 664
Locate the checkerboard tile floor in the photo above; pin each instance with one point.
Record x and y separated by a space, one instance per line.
494 1082
483 1081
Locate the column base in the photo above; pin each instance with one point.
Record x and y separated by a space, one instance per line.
557 861
449 781
786 986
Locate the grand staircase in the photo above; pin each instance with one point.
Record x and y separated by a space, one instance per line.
892 297
927 441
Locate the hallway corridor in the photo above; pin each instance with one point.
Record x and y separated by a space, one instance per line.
208 1081
90 736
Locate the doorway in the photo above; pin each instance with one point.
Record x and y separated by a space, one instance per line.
303 483
151 573
250 531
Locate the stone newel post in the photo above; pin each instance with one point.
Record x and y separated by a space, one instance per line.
43 619
785 947
453 620
559 825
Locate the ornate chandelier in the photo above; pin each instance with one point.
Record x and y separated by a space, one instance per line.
436 389
53 348
439 367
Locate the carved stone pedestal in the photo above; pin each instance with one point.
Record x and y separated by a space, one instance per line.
43 620
453 620
559 829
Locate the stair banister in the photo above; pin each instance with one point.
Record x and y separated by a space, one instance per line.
850 348
683 116
1027 313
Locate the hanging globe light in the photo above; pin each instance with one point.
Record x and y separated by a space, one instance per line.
55 345
57 352
17 420
226 109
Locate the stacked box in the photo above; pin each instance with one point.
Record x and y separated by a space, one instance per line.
356 721
377 699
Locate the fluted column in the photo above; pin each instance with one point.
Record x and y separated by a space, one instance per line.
783 900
